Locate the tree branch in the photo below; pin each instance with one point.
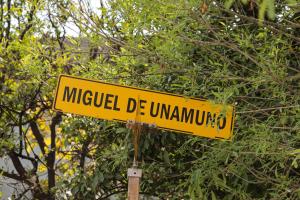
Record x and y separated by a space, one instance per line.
29 22
8 21
17 164
38 136
33 161
15 177
51 156
1 19
84 151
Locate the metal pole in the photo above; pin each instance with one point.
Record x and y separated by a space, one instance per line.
134 175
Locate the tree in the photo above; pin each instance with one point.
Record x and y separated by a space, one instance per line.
228 53
29 57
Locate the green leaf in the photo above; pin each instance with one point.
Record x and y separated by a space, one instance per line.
213 196
245 2
295 162
121 130
166 157
271 9
228 3
262 10
95 183
292 2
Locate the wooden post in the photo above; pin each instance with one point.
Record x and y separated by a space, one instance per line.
134 175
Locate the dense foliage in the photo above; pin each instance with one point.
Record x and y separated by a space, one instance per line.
241 52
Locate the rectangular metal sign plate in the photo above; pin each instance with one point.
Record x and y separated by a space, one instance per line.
122 103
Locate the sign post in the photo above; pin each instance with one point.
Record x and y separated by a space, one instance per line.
134 175
143 107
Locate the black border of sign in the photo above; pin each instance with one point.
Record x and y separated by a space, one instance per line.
176 95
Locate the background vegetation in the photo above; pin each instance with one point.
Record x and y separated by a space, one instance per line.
242 52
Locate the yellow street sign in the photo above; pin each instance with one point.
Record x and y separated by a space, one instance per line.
122 103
